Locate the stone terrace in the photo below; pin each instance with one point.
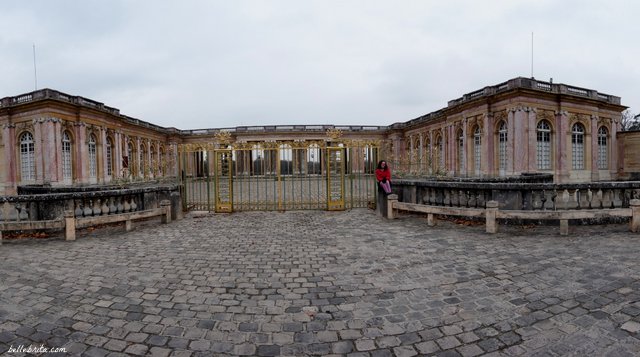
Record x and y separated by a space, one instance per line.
319 283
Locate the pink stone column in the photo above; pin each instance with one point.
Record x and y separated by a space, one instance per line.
81 156
560 147
148 158
38 142
137 155
520 157
449 159
595 175
487 164
58 145
9 137
531 141
103 154
465 147
511 142
430 152
616 150
49 154
117 155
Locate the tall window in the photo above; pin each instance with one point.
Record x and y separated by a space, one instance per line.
577 146
461 152
543 145
109 157
67 173
477 149
502 146
93 166
603 152
27 157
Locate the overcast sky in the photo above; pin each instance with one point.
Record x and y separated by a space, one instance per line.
209 64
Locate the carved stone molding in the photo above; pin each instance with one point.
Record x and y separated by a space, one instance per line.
25 125
500 115
547 115
604 122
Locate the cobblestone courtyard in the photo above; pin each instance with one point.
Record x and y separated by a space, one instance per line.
319 283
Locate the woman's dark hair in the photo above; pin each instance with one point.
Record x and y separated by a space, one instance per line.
386 167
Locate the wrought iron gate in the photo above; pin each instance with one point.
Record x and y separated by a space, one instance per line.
278 176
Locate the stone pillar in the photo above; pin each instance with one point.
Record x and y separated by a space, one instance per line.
595 174
488 150
136 159
430 153
616 150
11 175
81 158
49 146
465 147
531 141
39 142
635 215
564 227
490 214
148 159
511 142
69 226
520 154
560 147
451 149
421 151
103 155
391 199
166 206
58 148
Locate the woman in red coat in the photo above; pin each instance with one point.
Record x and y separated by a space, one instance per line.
383 175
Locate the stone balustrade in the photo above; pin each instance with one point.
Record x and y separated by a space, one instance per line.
518 195
90 206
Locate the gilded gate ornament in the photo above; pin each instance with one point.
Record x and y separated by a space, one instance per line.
334 134
223 137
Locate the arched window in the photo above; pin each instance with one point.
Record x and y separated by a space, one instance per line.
461 152
477 149
502 146
93 165
577 146
543 145
603 151
67 163
27 157
109 156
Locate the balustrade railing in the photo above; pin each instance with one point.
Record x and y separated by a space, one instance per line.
51 206
518 195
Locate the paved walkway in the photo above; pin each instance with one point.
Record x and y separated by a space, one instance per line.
318 283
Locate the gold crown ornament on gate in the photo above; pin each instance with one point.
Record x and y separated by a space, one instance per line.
223 137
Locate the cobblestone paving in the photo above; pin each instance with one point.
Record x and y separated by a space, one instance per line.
322 283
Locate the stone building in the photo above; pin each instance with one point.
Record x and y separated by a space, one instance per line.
521 126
